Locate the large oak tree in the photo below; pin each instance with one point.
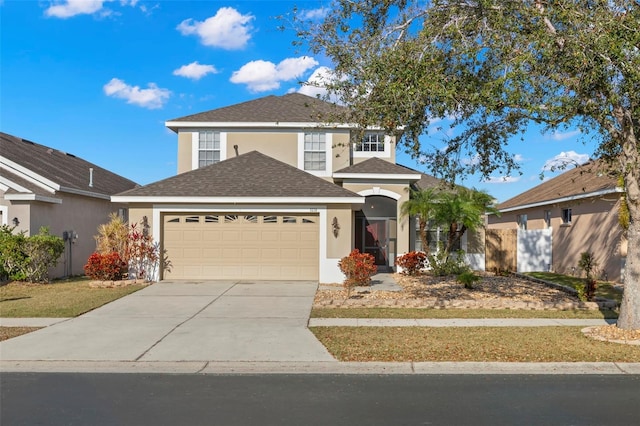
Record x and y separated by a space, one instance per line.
495 67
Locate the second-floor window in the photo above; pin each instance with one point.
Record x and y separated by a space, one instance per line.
371 142
315 154
208 148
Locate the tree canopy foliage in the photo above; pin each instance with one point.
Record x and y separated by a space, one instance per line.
494 67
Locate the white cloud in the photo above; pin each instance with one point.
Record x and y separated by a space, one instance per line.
195 71
565 159
153 97
260 76
316 83
560 136
471 161
314 14
502 179
70 8
227 29
518 158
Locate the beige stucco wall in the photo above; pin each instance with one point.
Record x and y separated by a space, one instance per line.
185 150
403 230
341 150
282 146
79 214
341 244
594 228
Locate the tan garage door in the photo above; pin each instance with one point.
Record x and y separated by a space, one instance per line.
241 246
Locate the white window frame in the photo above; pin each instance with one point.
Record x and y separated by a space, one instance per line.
386 153
195 146
328 143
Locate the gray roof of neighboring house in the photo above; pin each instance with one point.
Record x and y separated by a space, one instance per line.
428 181
66 170
378 166
248 175
293 107
586 179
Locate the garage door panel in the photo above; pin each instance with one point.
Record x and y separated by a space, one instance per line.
242 246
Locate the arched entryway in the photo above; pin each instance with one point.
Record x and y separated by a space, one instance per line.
376 230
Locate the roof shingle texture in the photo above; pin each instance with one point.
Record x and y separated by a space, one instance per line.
293 107
64 169
248 175
378 166
585 179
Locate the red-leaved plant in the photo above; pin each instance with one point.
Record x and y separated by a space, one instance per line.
358 269
105 267
412 263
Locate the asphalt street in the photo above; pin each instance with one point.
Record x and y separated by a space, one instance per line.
173 399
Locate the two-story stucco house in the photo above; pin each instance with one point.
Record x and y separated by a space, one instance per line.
581 208
272 189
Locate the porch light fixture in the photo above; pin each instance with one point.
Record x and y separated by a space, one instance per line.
15 221
335 226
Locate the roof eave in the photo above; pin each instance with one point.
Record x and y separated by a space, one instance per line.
32 197
562 199
236 200
378 176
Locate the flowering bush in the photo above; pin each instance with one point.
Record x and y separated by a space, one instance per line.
105 267
412 263
358 268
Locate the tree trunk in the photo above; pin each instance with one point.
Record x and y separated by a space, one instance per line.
630 309
629 318
423 236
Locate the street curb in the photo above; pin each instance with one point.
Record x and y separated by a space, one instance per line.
330 367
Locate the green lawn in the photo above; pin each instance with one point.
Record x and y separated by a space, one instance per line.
59 299
416 313
480 344
604 289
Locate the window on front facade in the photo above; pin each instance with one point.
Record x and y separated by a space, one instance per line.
437 238
208 148
547 218
315 154
566 216
371 142
522 221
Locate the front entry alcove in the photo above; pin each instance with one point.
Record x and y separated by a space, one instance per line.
376 227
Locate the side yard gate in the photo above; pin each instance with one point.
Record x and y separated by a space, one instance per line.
518 250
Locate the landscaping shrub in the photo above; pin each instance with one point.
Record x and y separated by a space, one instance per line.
467 279
588 264
113 236
442 264
28 258
105 267
358 269
143 253
412 263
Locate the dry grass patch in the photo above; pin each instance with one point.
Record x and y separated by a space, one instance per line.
9 332
421 313
480 344
57 300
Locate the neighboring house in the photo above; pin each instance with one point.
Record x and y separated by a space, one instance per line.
579 208
41 186
273 189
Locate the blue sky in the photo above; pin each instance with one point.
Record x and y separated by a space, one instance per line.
98 79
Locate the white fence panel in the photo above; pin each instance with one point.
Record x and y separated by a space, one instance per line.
534 250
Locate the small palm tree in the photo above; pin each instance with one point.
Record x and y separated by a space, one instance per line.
421 204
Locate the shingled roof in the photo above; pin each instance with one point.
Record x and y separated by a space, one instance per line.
291 108
584 180
65 170
377 166
250 175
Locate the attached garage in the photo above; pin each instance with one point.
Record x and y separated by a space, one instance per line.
241 246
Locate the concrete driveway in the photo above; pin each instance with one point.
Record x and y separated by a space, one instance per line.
185 321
